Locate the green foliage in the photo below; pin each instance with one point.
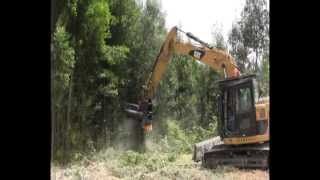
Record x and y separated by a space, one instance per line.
131 158
177 140
63 57
199 133
264 85
98 55
238 50
116 54
149 161
254 24
218 39
73 7
98 19
249 40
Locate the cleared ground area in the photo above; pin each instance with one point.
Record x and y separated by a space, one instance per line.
113 164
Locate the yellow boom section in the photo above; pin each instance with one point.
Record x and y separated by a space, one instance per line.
218 60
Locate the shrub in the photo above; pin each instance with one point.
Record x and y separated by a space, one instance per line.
131 158
177 139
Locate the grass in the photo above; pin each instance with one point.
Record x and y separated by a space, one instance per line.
128 165
166 158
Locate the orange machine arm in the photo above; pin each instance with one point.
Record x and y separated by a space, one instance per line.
217 59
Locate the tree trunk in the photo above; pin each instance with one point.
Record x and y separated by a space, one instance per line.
64 130
52 130
83 120
69 100
140 137
67 129
256 68
52 126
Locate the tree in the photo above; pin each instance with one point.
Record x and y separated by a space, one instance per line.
264 84
218 39
207 84
238 50
254 28
249 41
62 67
85 75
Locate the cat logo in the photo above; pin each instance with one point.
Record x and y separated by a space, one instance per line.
198 54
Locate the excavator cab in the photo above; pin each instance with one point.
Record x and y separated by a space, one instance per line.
237 114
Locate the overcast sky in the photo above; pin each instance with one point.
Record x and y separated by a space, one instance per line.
199 16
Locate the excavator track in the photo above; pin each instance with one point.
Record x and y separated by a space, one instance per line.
243 156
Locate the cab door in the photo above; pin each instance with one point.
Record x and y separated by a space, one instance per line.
245 110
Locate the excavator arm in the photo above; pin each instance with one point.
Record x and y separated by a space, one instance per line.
217 59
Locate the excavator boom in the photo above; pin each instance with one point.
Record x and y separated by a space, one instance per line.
216 59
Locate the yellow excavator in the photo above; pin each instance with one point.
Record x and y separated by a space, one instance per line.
243 121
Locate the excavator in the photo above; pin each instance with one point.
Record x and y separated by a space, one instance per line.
243 122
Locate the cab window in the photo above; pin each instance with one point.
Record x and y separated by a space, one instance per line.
244 103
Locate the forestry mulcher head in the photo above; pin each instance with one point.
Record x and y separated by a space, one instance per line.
142 113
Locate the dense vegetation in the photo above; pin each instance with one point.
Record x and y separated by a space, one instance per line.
102 52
